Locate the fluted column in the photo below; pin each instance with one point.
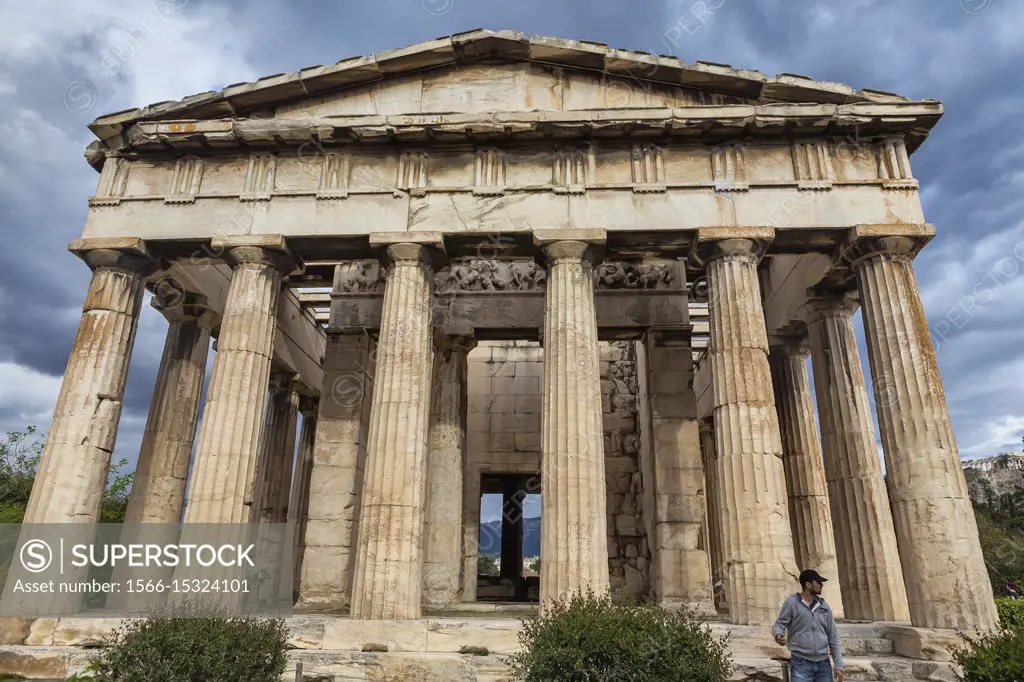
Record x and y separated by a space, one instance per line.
298 506
76 456
943 567
713 496
442 542
277 451
158 489
224 470
574 540
758 538
809 515
869 564
389 551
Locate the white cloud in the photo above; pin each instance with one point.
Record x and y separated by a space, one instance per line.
26 397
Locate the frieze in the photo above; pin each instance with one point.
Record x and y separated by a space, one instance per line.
490 275
360 277
623 275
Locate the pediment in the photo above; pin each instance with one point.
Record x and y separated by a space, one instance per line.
493 71
486 87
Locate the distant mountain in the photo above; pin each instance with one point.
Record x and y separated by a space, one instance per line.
490 537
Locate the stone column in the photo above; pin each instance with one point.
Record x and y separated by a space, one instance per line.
943 567
680 568
758 538
574 540
813 542
76 456
446 457
389 551
713 498
869 564
277 453
158 490
336 473
298 506
224 469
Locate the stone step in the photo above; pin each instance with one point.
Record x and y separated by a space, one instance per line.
338 665
855 668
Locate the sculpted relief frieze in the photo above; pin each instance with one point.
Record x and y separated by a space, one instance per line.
360 277
490 275
622 275
483 275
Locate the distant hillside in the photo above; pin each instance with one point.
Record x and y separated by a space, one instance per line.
490 534
996 487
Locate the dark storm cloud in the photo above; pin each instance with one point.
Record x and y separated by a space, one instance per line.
922 48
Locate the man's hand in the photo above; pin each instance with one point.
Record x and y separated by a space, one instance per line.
781 639
839 675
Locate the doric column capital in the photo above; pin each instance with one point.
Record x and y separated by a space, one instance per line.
722 242
411 248
789 345
822 304
268 250
308 406
453 343
116 253
891 242
706 426
283 382
179 306
571 246
407 253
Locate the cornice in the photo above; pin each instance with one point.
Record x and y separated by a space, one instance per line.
695 124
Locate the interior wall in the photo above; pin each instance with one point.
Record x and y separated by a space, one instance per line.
503 437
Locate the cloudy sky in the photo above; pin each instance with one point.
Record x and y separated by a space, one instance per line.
65 62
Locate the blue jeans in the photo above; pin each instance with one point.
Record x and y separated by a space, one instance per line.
802 670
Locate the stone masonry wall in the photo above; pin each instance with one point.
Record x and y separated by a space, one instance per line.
629 555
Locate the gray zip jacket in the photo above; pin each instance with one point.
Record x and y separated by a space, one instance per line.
812 630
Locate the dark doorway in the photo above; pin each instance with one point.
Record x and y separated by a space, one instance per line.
507 535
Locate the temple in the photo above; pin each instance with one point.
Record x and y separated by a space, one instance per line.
496 265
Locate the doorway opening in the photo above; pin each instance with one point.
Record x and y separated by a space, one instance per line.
508 558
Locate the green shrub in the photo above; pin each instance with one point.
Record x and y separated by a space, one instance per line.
592 638
997 657
1011 613
194 650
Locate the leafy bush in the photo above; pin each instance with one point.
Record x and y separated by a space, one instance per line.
194 650
487 565
997 657
1011 613
592 638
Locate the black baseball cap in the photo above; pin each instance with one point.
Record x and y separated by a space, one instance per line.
810 575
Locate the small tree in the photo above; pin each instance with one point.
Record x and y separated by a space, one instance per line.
487 565
993 657
115 497
20 454
226 650
591 638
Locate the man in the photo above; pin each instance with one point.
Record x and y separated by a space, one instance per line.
807 627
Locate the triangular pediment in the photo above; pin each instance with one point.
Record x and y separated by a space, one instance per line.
493 71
